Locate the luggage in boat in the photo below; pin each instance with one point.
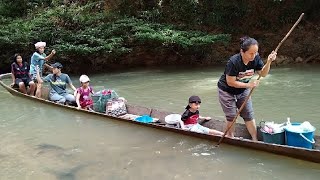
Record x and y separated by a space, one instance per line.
272 133
172 120
100 99
145 119
116 107
300 135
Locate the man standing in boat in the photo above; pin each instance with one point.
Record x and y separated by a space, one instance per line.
234 85
38 59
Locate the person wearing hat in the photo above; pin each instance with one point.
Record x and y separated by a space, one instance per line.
189 119
38 59
58 82
83 98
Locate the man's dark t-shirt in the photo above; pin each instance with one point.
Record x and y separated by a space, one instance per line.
243 73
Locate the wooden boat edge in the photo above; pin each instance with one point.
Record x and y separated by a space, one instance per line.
312 155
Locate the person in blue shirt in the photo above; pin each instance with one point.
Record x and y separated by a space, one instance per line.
234 85
38 59
58 82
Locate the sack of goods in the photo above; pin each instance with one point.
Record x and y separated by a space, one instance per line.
100 99
272 128
272 132
116 107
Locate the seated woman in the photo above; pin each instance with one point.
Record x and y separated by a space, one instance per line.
58 82
20 75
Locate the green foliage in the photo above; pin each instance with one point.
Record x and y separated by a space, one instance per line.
157 35
17 8
20 8
182 11
225 14
232 16
114 28
88 32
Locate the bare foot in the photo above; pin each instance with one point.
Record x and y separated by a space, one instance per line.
231 137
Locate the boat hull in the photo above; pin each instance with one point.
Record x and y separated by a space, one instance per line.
312 155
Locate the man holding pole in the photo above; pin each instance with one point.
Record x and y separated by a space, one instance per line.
234 85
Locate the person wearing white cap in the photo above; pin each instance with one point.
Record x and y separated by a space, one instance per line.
38 59
83 98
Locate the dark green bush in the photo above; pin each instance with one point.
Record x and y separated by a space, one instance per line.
112 29
88 32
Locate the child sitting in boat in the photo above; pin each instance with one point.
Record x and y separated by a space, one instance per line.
83 98
20 75
190 118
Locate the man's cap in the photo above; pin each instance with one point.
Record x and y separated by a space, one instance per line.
57 65
194 99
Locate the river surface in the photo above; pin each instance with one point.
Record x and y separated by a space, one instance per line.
44 142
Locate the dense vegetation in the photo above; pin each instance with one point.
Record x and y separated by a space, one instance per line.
113 33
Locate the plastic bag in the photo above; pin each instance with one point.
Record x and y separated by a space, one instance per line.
100 99
304 127
172 118
116 107
144 119
271 127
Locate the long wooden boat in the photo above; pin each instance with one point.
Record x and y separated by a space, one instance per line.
295 152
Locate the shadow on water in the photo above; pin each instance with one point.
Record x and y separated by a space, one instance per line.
67 174
62 169
46 148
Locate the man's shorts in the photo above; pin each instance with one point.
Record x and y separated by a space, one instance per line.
231 103
34 77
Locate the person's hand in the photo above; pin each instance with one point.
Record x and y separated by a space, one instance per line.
79 107
75 93
37 69
254 83
272 56
53 51
207 118
12 84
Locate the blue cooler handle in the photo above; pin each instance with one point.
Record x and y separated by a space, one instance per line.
312 142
